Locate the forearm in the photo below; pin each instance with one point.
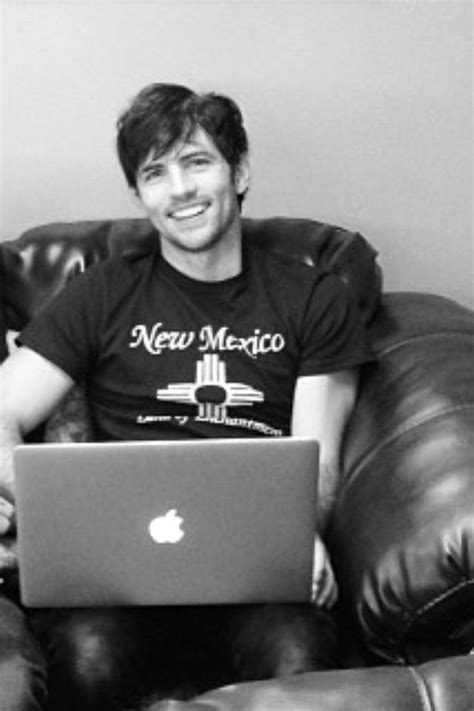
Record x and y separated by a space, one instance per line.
328 483
30 389
321 409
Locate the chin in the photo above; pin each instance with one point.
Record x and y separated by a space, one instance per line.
198 244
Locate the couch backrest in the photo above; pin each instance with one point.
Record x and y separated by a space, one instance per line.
36 265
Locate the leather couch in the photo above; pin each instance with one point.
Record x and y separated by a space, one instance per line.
402 534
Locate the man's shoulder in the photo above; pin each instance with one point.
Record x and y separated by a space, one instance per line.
296 284
285 266
118 268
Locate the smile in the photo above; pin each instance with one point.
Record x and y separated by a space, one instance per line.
190 211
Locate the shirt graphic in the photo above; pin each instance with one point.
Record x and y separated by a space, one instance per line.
210 390
166 358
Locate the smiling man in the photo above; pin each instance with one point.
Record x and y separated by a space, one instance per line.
206 336
190 197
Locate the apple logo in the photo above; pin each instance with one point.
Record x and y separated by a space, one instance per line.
167 528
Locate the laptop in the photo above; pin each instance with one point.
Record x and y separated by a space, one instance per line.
166 523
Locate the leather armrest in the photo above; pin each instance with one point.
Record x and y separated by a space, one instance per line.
403 529
438 686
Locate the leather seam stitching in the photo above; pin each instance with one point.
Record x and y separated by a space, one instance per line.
422 689
434 601
400 641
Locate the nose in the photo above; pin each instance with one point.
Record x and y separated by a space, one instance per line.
182 184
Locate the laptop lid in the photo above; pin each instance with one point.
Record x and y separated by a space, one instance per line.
155 523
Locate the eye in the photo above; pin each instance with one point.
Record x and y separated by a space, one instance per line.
199 161
154 173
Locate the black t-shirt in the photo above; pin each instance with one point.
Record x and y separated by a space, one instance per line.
165 356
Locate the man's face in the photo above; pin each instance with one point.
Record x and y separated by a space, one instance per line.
190 195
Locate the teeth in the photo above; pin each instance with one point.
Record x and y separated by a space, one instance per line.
187 212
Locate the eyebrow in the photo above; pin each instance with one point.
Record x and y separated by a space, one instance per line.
189 150
192 149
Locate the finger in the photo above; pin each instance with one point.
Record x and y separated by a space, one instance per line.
329 590
7 511
324 587
5 524
6 508
324 593
319 586
326 596
318 571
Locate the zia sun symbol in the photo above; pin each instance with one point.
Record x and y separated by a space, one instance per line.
210 391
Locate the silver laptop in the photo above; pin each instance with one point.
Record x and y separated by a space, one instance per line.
156 523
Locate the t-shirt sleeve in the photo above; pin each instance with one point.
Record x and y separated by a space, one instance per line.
333 336
66 331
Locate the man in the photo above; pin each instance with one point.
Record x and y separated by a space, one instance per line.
134 328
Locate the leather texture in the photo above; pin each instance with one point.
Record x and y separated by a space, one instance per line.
436 686
407 496
40 262
402 537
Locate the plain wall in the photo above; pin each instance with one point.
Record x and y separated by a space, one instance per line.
359 113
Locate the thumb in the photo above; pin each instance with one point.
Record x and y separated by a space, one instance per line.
7 512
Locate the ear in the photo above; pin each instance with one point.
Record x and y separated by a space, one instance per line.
242 176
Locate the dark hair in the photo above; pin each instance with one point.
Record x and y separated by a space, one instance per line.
162 114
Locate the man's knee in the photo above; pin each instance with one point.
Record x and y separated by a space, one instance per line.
91 647
94 644
281 640
94 656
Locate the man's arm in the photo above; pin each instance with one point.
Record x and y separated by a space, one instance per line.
30 388
322 406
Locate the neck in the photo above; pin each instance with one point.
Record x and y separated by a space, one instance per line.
221 261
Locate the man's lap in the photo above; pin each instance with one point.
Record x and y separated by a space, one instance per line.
181 651
207 646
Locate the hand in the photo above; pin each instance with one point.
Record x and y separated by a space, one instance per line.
7 517
8 554
8 558
324 589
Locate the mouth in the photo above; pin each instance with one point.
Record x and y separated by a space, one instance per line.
189 212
